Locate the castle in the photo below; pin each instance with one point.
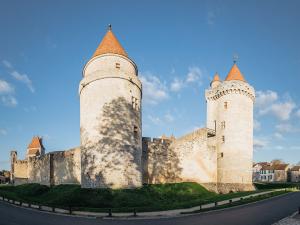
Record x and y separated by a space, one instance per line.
113 153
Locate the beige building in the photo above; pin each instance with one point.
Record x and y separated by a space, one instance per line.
274 173
295 174
113 153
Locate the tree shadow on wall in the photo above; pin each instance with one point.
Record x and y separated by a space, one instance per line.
116 157
163 163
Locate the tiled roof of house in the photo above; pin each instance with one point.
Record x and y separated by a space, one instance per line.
296 168
110 44
274 167
280 166
235 74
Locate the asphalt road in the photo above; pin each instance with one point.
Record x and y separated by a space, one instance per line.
262 213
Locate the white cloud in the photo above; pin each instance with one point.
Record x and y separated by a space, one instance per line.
7 64
259 143
9 100
5 87
154 90
256 125
18 76
286 128
278 135
24 79
265 98
3 132
194 75
168 117
281 110
155 120
267 103
177 85
6 94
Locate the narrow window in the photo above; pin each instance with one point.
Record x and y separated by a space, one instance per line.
118 65
135 131
222 154
225 105
223 139
134 103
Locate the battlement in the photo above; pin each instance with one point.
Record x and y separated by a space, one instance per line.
157 140
230 87
21 161
202 132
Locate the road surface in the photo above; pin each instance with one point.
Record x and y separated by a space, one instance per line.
262 213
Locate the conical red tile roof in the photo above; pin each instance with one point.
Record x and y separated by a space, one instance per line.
110 44
235 74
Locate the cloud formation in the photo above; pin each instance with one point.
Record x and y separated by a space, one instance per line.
5 87
194 75
6 94
154 90
267 102
19 76
259 143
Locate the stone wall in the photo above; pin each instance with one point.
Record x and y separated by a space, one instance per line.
66 167
20 172
39 169
197 157
191 158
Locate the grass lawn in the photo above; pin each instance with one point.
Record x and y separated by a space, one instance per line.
148 198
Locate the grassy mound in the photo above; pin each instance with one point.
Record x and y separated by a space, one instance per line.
146 198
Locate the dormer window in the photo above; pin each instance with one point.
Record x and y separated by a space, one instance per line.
118 65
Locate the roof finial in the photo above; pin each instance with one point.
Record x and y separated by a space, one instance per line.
235 58
109 27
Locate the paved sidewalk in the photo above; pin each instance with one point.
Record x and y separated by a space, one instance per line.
290 220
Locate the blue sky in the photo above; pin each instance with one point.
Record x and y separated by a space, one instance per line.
177 45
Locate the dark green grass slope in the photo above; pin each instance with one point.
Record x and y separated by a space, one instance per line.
147 198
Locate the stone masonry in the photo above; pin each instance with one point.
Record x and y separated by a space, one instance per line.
112 152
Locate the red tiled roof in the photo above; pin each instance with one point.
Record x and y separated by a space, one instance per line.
110 44
235 74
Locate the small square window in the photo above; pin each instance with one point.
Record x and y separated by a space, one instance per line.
118 65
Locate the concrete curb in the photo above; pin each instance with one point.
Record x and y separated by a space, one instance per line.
140 215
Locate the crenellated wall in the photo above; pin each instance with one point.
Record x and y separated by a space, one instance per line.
54 168
20 172
189 158
39 169
66 167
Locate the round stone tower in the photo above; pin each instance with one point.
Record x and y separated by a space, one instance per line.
230 108
110 118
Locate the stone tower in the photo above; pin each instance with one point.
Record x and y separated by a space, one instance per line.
110 118
230 113
13 159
